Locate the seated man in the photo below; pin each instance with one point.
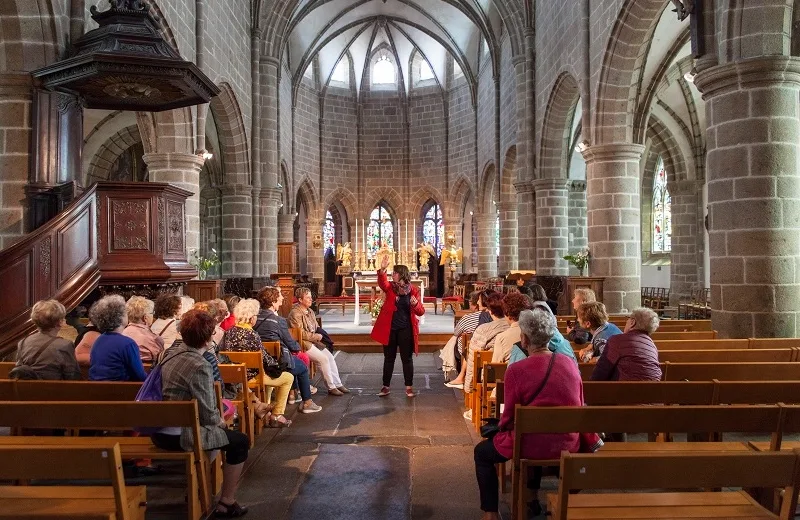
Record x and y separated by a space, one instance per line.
302 317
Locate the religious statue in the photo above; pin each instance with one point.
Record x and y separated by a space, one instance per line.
425 251
452 256
384 251
344 253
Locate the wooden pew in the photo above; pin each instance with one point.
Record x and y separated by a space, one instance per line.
628 393
732 371
756 392
100 461
758 343
702 344
668 470
590 419
481 357
252 360
777 355
5 368
119 415
704 334
236 374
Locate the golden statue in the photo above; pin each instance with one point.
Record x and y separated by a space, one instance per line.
425 251
384 251
344 253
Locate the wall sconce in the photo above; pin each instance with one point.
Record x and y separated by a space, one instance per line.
582 146
470 213
689 76
207 156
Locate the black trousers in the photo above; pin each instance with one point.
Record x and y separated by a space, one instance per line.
402 340
235 451
486 456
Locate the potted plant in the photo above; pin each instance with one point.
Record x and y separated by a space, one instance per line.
204 264
580 260
374 310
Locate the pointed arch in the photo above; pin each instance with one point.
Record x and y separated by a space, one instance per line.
232 135
554 146
456 203
346 200
390 196
423 195
486 189
307 194
168 131
508 192
107 154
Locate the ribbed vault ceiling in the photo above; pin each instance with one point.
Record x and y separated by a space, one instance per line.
438 30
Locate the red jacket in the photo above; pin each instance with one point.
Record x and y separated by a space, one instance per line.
383 325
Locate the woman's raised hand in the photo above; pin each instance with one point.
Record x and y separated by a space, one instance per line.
414 301
385 262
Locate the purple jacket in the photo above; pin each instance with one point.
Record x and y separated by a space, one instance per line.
631 356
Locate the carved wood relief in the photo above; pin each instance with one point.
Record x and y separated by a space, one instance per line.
175 241
44 256
130 224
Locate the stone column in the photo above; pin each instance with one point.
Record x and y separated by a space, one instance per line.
487 252
526 225
754 195
612 212
15 125
286 227
237 231
270 200
578 238
509 248
181 170
684 266
552 234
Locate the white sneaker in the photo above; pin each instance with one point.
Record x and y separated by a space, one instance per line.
460 386
468 415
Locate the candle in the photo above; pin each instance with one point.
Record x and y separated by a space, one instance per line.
355 243
398 243
414 237
407 244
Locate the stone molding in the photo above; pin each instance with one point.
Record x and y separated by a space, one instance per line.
173 160
576 186
761 72
523 187
549 184
269 193
230 190
507 206
613 152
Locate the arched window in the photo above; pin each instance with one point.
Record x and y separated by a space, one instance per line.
380 230
329 234
425 71
341 74
433 227
662 213
457 72
383 71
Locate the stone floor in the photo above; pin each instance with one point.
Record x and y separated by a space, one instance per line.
337 323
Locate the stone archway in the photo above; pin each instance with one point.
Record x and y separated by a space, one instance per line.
554 148
118 159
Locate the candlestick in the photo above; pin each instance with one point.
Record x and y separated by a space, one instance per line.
355 243
414 238
398 243
407 235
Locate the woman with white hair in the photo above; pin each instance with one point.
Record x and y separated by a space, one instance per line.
544 378
44 355
140 317
631 356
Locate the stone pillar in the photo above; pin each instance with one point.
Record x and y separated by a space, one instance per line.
270 200
684 266
315 260
181 170
754 195
487 251
15 125
286 227
578 238
509 248
612 212
552 235
526 225
237 231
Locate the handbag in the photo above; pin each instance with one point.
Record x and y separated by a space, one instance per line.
492 426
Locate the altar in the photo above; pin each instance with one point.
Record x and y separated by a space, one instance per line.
371 284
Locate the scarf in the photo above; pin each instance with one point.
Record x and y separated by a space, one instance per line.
401 289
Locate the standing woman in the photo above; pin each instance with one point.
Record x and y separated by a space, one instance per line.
397 326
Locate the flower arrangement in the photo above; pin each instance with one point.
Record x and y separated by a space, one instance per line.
204 264
376 308
579 259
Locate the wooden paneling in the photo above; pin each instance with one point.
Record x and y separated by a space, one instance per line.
204 290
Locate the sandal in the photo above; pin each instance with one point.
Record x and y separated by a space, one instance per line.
279 422
262 410
231 510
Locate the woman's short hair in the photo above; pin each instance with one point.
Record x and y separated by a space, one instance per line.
473 298
197 327
585 294
403 272
166 306
593 312
484 297
108 313
537 292
514 303
138 307
537 325
220 308
246 309
205 307
494 302
230 300
267 297
300 292
645 320
187 302
47 314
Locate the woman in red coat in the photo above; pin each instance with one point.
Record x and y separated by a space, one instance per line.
397 326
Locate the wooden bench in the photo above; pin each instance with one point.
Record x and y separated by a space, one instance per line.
297 335
671 471
590 419
100 461
703 334
253 361
757 343
622 393
732 371
702 344
236 374
776 355
119 415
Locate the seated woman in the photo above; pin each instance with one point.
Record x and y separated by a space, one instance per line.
242 338
631 356
140 317
513 304
185 375
272 327
230 301
485 335
454 350
527 383
44 355
575 330
303 317
114 357
593 318
166 313
84 343
558 343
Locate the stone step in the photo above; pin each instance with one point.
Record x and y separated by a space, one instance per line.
363 343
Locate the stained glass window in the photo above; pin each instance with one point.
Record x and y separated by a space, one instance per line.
662 213
383 71
433 228
380 230
329 234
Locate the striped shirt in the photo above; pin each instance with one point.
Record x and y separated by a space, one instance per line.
467 325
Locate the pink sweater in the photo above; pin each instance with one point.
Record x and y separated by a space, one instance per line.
563 388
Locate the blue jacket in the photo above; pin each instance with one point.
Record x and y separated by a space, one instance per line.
115 357
272 327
